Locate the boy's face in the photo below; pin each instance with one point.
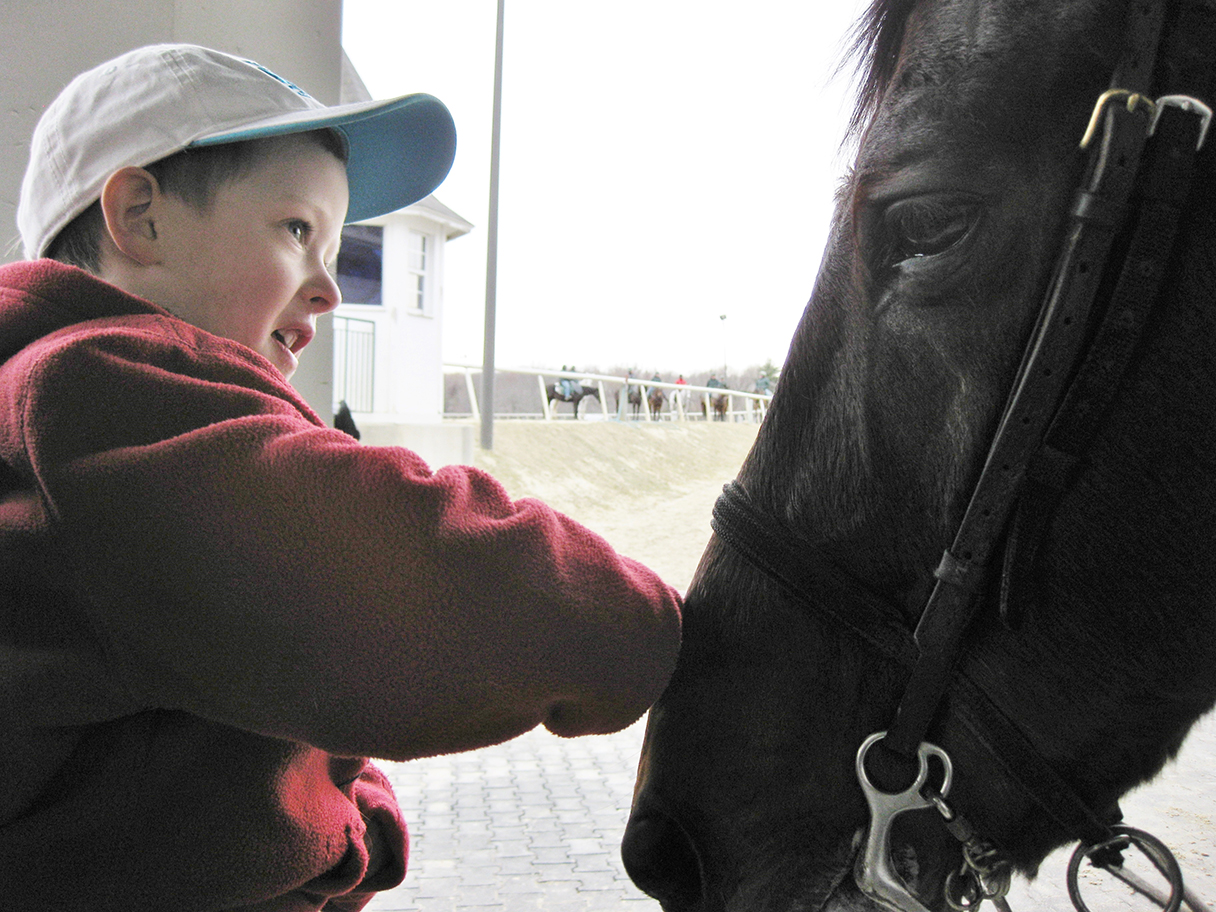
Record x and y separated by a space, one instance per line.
256 267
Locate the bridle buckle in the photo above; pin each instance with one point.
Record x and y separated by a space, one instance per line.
1134 100
1188 104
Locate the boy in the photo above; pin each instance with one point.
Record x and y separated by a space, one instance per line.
212 607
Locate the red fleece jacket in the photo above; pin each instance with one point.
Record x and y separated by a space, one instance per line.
208 599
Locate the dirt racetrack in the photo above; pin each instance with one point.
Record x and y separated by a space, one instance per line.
649 489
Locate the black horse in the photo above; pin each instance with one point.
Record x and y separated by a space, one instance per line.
718 403
577 394
633 397
1055 510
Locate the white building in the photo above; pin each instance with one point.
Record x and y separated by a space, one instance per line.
387 334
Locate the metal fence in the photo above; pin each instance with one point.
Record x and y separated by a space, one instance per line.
355 363
681 402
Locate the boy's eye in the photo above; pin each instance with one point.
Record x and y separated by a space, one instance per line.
299 229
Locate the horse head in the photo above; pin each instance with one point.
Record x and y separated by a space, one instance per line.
1102 651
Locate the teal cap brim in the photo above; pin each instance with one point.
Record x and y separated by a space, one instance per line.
400 149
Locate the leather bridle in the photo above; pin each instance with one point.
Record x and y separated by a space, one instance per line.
1131 199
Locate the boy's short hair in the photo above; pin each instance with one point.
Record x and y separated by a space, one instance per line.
193 175
153 102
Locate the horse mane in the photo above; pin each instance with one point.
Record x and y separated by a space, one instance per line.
874 50
877 38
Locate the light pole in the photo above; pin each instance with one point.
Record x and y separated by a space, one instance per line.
723 319
487 357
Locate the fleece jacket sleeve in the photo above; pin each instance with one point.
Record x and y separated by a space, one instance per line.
241 562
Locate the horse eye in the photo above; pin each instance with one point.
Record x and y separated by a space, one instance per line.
926 226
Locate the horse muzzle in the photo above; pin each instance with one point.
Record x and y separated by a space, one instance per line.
662 859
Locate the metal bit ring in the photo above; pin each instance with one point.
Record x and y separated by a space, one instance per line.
1153 848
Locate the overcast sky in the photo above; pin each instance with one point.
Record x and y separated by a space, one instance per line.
664 163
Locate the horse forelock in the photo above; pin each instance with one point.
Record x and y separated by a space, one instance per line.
982 29
877 37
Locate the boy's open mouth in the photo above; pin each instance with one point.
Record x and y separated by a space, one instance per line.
288 338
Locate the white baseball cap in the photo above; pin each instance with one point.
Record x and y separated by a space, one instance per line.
157 100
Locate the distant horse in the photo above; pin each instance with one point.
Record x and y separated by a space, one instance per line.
634 398
994 428
655 400
719 404
576 395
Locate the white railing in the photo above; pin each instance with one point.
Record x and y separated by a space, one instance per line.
753 406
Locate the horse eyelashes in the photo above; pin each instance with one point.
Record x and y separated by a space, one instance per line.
925 226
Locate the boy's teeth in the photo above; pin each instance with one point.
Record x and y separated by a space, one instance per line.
288 337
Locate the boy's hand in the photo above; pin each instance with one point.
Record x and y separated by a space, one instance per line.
386 838
379 853
385 841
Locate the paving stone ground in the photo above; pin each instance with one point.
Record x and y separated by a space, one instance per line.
533 824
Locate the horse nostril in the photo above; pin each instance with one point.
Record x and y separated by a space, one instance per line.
662 860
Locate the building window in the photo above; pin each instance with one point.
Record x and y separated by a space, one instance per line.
419 266
361 265
354 362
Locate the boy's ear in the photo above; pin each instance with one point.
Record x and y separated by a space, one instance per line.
127 206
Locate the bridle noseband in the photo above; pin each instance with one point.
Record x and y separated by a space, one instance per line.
1132 196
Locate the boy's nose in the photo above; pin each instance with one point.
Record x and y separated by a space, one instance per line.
322 292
